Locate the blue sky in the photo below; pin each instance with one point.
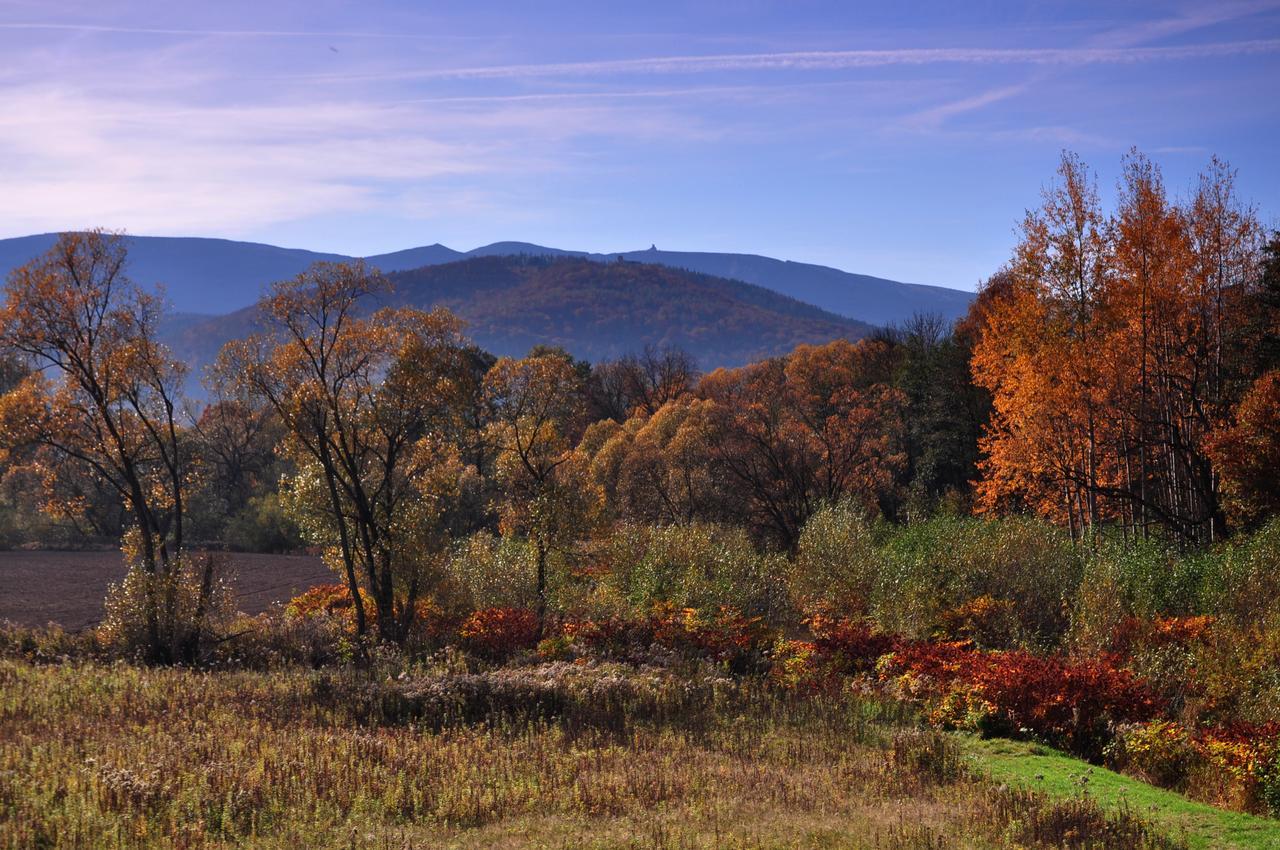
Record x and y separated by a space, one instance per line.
896 139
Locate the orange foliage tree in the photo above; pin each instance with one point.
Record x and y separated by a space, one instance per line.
1113 353
794 433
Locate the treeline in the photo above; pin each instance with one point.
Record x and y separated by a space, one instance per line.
1120 374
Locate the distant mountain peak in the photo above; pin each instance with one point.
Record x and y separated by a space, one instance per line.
213 275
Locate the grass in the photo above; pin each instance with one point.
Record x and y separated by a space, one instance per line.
558 755
1051 772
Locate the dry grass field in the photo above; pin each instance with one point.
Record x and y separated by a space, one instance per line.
68 588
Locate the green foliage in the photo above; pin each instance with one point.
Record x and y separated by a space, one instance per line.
835 565
928 569
691 566
263 525
486 570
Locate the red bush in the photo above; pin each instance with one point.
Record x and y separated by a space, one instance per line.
849 646
723 635
499 633
1137 633
1071 703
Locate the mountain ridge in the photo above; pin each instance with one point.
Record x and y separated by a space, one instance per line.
213 276
592 309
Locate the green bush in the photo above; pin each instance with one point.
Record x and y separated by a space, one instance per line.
487 571
1244 584
692 566
262 526
835 561
928 570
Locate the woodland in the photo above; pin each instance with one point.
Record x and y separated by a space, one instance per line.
813 600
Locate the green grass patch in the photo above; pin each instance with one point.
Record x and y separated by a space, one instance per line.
1051 772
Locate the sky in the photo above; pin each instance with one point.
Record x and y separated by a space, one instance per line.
903 140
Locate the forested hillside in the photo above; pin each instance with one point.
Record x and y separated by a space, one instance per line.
593 310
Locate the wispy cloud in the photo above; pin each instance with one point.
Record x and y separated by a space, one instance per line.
933 117
165 168
217 33
831 60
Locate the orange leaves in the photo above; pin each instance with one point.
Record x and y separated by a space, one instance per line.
112 399
498 633
1248 452
816 426
1110 349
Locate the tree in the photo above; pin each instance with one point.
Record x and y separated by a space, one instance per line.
237 450
658 469
795 433
106 397
1116 348
547 494
944 413
639 384
1247 454
369 404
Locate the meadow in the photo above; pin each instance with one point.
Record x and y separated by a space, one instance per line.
670 701
1012 582
546 756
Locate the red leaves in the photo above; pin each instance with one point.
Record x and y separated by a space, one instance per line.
500 632
1070 702
721 634
851 645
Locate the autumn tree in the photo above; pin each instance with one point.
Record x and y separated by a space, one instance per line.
658 469
368 403
105 396
1114 353
1246 454
547 494
795 433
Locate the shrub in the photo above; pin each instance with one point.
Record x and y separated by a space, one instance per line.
795 665
1160 752
724 634
171 617
332 600
1068 703
699 566
431 624
987 621
1245 586
1248 756
835 562
263 526
931 568
850 646
488 571
617 638
499 633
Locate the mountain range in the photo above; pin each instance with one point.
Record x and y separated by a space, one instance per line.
218 276
593 309
724 309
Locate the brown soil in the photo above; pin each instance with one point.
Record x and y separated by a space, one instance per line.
68 588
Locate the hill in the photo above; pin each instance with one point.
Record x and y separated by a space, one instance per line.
595 310
871 299
216 276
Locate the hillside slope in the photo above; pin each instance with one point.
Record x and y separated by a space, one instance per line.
216 276
595 310
870 299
